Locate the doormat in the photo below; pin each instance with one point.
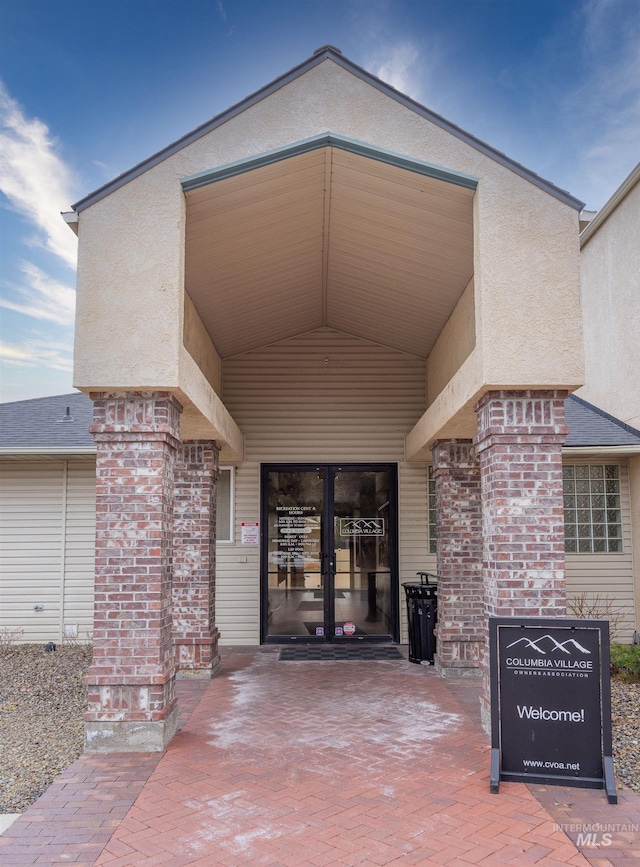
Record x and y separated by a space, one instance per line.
310 606
330 653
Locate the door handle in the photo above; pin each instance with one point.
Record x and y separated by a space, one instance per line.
329 564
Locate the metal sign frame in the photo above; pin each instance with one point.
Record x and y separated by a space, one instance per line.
551 703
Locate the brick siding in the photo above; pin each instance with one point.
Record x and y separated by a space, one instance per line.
519 445
459 541
194 557
133 671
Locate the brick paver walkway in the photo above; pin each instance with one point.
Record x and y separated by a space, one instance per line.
316 763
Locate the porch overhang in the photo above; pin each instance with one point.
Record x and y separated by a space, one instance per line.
327 232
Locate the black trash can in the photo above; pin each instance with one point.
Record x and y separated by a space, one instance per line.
422 614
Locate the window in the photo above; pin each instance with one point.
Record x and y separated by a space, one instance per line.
592 516
225 505
592 513
433 549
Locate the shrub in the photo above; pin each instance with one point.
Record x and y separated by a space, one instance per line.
597 606
8 637
625 662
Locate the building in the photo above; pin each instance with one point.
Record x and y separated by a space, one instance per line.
610 292
344 320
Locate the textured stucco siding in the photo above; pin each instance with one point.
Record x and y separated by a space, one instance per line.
610 274
131 265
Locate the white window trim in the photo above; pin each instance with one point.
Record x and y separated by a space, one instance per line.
232 506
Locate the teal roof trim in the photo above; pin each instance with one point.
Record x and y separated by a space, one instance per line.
202 179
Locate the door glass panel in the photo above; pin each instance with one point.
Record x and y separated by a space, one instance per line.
295 583
361 523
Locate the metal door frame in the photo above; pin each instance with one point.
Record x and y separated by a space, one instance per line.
328 471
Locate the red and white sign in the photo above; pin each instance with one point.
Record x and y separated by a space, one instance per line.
349 628
250 533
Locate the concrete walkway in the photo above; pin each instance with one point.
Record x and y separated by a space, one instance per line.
319 763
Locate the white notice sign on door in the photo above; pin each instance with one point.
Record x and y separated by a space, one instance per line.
250 533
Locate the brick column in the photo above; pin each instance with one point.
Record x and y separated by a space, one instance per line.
132 706
460 640
519 444
195 636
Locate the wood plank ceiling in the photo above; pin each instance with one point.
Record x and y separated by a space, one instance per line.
328 238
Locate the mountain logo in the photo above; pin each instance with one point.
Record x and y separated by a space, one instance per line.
362 526
551 644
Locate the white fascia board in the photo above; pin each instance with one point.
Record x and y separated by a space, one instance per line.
624 451
35 450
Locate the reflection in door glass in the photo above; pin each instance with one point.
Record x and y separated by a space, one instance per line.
295 599
361 538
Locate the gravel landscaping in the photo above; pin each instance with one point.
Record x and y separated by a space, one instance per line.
42 699
625 718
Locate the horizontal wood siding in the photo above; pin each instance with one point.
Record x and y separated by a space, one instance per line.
413 521
80 546
47 526
293 406
607 576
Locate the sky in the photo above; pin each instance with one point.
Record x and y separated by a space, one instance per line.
89 88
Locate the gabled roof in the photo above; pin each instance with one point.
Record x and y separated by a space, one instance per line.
328 52
590 426
327 234
44 423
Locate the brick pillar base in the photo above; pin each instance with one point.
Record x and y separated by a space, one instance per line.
132 706
519 443
195 636
460 639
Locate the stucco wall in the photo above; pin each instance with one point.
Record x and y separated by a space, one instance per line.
130 285
131 274
199 346
455 344
610 273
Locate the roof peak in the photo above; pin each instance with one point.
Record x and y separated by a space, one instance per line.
321 55
328 48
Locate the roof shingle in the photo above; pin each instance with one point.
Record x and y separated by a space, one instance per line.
590 426
41 422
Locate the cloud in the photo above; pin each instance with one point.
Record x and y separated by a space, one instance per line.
221 11
391 51
33 177
42 297
397 65
38 352
605 106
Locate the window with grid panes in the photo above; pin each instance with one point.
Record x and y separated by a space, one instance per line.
592 516
432 513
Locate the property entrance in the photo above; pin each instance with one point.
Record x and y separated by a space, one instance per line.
329 553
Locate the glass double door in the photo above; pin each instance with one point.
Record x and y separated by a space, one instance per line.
329 553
